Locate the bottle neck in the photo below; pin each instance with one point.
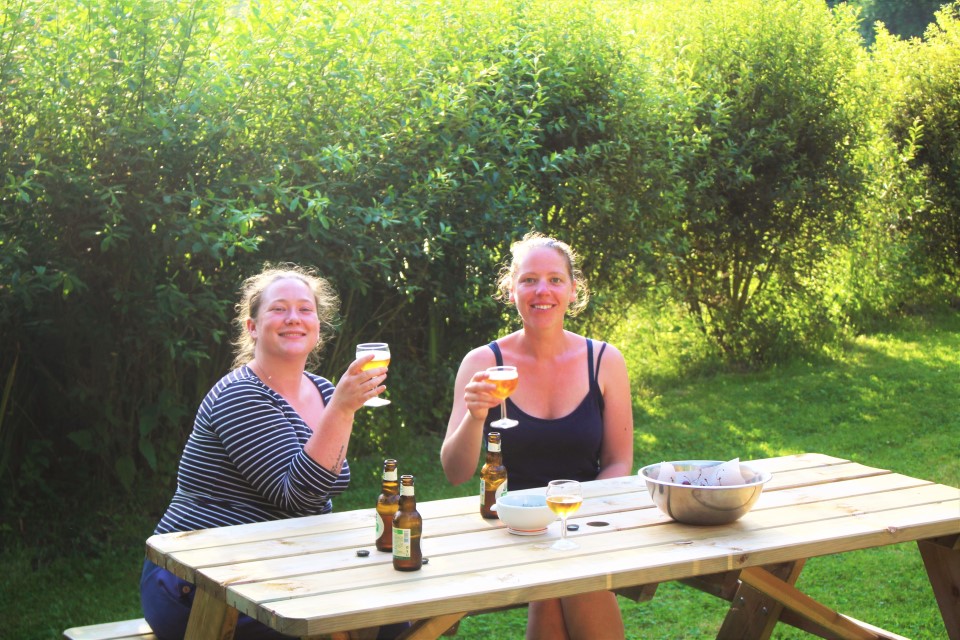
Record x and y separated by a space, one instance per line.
407 499
494 456
389 488
407 503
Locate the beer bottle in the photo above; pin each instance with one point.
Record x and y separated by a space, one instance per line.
493 476
387 504
407 527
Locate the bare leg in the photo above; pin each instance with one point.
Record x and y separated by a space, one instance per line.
593 616
589 616
545 621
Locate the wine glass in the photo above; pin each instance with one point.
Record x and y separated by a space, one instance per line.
504 381
564 497
381 358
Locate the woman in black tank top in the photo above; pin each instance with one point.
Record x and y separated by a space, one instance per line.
572 404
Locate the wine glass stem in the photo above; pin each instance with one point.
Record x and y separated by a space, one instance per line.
503 409
563 528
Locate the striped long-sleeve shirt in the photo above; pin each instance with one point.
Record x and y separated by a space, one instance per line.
244 460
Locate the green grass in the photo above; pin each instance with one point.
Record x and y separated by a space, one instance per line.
888 400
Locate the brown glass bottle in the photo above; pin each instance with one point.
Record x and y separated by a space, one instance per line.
493 476
407 528
387 504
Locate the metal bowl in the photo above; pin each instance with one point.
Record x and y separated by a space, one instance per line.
704 505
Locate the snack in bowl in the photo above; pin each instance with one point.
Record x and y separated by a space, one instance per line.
524 514
704 492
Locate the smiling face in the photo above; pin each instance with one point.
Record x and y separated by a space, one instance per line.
285 323
543 286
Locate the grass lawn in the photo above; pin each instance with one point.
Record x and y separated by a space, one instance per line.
889 400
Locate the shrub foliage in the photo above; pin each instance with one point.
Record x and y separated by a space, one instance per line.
152 154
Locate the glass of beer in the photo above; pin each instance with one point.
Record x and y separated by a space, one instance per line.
564 497
504 380
381 358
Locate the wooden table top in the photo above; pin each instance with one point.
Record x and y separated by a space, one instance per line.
303 576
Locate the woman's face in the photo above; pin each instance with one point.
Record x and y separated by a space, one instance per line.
286 324
543 287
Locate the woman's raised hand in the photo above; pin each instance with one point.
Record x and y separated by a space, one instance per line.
356 386
478 395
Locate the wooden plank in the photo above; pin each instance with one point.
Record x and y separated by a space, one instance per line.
791 597
282 570
431 628
337 549
821 475
861 485
363 518
307 525
177 552
137 628
881 633
467 557
210 618
721 585
941 558
322 556
425 594
753 613
638 593
805 624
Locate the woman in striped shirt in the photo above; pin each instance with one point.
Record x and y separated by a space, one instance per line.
270 438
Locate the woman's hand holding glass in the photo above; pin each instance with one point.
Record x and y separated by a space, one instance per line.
504 380
381 358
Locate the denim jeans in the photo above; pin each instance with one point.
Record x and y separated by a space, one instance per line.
167 600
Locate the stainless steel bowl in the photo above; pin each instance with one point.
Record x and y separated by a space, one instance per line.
704 505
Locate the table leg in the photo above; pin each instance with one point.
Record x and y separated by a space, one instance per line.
431 628
639 593
835 624
369 633
722 585
211 617
753 614
941 557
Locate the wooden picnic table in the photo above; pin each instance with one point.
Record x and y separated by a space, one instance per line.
304 578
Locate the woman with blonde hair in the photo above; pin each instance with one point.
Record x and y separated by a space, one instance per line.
270 438
572 404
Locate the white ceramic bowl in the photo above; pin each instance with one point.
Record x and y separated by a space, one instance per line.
692 504
525 514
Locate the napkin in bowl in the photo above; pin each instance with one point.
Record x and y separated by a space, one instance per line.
726 474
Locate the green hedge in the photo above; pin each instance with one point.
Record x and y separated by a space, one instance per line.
152 154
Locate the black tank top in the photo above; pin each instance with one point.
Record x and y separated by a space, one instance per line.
537 451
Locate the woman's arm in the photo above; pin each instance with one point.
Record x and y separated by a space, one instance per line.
616 454
472 401
270 452
328 444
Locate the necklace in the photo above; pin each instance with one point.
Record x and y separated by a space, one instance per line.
260 372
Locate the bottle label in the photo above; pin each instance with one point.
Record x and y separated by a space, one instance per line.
379 528
406 490
501 490
390 475
401 543
493 447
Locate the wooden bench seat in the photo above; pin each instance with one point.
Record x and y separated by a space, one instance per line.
124 630
139 629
